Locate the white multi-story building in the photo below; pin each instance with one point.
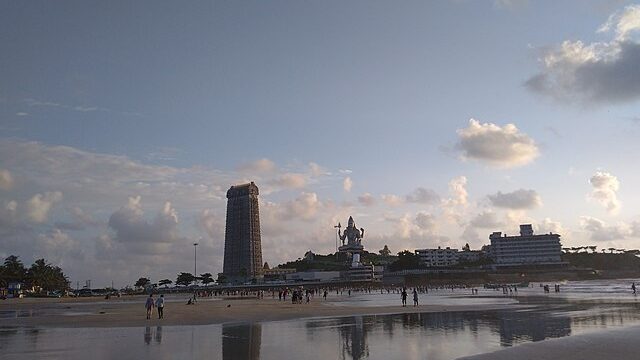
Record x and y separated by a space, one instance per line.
526 249
438 257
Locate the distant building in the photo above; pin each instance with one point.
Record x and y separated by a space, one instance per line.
525 249
242 244
313 276
470 256
365 273
277 274
438 257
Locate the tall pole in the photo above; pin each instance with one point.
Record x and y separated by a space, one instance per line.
195 262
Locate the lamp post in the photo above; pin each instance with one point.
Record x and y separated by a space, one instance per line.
195 262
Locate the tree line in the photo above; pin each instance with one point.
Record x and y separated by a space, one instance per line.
41 276
183 279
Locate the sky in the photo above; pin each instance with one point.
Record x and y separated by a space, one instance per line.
122 125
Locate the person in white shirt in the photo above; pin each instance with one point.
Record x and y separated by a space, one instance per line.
160 306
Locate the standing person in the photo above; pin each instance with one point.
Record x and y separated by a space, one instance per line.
633 287
415 297
149 305
325 295
404 297
160 306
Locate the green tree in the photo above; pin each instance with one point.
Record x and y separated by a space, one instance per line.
206 278
385 251
406 261
185 279
13 270
142 282
165 282
46 276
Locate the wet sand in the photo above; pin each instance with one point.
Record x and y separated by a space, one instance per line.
602 345
130 311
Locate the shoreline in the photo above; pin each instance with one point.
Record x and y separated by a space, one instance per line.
130 312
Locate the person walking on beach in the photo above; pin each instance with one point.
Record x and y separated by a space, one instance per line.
404 297
149 305
415 297
325 295
633 287
160 306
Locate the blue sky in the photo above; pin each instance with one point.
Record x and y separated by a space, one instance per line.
102 103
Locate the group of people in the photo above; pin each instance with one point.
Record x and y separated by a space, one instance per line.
404 294
158 304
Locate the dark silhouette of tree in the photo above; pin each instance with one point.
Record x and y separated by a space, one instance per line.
185 279
13 270
385 251
406 261
206 278
142 282
47 277
466 247
222 279
165 282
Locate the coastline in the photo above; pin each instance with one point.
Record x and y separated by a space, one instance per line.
130 312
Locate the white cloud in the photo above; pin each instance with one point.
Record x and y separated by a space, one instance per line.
549 226
600 231
140 235
6 180
304 207
458 191
605 188
486 220
504 147
317 170
598 72
290 181
367 199
517 200
263 165
425 221
423 196
211 224
80 220
392 200
39 205
347 184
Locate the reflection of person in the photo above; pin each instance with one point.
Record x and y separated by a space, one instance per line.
147 335
160 306
149 305
158 337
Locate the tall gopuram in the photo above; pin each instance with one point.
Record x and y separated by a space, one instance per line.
242 244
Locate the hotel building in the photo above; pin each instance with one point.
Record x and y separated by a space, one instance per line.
525 249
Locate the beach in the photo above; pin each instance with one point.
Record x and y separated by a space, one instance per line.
129 311
586 320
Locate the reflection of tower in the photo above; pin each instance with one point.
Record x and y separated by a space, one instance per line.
354 339
242 244
241 341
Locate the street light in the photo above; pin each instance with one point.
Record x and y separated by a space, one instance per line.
195 262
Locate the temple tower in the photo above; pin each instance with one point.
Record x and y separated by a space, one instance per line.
242 244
